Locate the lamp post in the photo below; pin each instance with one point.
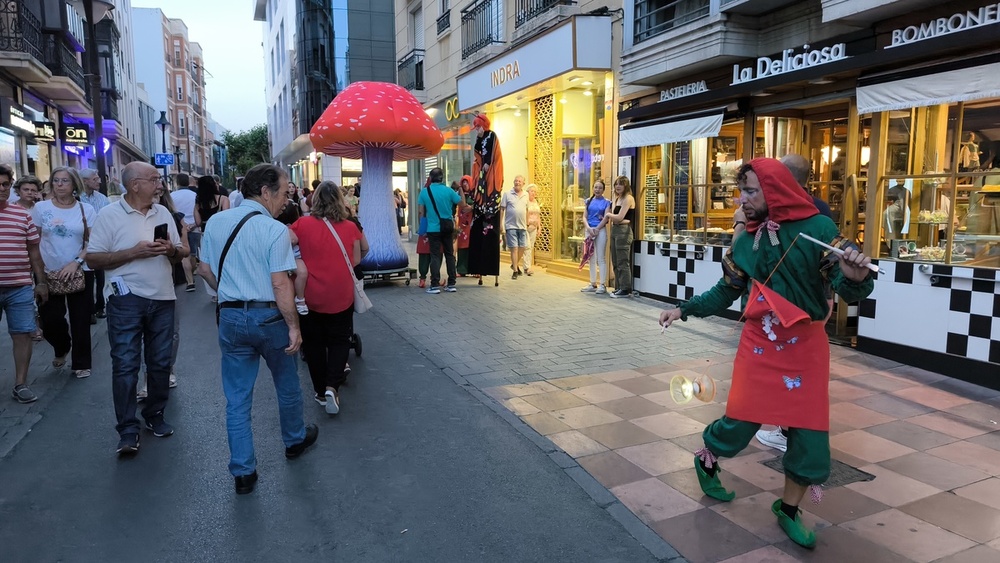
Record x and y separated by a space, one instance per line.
95 11
163 123
177 157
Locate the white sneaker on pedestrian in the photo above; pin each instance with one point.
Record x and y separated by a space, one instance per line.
433 290
451 289
588 289
773 439
332 403
81 373
141 394
172 382
601 289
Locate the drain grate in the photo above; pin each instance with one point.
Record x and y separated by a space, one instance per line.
840 473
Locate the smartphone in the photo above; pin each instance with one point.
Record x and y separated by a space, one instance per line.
160 232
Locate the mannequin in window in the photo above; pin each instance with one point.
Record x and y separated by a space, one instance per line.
895 209
968 154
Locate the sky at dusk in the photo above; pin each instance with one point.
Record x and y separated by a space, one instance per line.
234 60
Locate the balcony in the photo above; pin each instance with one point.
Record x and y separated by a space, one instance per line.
870 11
654 17
20 43
444 21
482 29
67 88
410 70
109 106
533 16
752 7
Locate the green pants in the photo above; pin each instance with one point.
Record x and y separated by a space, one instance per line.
807 460
621 255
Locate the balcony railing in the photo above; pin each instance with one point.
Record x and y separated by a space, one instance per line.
61 60
410 70
482 26
109 106
527 10
444 21
653 17
20 30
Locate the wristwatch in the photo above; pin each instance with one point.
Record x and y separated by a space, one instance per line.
78 260
744 223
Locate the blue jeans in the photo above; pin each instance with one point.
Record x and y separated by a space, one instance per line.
245 336
19 304
135 323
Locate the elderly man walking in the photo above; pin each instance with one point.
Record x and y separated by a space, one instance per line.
247 257
92 195
136 242
19 258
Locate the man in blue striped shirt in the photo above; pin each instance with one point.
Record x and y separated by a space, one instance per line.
257 317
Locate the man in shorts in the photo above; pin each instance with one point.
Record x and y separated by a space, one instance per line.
514 218
19 258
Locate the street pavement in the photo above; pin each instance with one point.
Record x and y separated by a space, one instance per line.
525 422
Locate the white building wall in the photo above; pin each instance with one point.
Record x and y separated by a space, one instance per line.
128 106
150 58
278 79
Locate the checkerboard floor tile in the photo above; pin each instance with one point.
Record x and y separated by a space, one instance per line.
934 451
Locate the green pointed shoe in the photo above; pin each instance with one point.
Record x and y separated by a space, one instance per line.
794 529
711 485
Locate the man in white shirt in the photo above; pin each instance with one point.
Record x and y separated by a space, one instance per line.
514 218
141 298
184 200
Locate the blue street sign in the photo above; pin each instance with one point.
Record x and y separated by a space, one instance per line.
164 159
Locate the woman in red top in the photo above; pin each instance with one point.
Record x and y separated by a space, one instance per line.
327 329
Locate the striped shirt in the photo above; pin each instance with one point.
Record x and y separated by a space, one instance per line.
261 248
17 230
97 200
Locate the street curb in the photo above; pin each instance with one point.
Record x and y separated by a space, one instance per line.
602 497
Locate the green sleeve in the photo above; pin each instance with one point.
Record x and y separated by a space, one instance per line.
850 290
712 302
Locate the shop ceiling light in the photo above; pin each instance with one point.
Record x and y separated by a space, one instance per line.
574 78
587 83
562 100
823 80
588 93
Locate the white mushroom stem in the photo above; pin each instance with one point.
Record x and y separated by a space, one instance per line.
377 211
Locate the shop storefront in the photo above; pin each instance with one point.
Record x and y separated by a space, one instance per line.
900 127
549 101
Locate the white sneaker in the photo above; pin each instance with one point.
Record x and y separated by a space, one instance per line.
81 373
172 381
601 289
588 289
451 289
141 394
332 404
434 290
773 439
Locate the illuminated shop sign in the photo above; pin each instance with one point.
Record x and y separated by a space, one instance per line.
45 131
507 72
961 21
75 134
790 61
13 117
685 90
451 112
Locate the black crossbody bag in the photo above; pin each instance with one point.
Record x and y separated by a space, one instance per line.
222 258
447 225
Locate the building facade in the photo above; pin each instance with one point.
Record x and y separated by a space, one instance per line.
544 72
312 51
172 71
896 104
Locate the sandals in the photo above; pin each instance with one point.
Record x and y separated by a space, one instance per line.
59 362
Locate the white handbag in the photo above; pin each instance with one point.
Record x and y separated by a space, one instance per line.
361 301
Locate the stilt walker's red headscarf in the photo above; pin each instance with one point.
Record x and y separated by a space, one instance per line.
786 200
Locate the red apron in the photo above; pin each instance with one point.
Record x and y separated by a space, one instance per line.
781 374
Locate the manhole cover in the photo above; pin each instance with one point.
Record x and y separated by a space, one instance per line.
840 473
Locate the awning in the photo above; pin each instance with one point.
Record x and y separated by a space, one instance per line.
671 131
962 85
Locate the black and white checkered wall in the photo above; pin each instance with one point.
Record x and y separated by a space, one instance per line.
944 309
685 271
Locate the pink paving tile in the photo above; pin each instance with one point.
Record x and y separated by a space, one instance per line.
838 545
569 383
971 455
618 375
880 382
522 389
981 413
619 434
753 514
950 424
576 444
749 468
544 423
839 369
555 400
842 390
911 435
934 471
612 469
891 488
686 481
995 544
668 375
854 416
669 424
520 407
959 515
703 536
931 397
978 554
664 398
643 385
868 447
841 504
909 536
986 492
658 458
600 393
633 407
769 554
652 500
582 417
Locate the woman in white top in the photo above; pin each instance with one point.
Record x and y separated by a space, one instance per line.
64 224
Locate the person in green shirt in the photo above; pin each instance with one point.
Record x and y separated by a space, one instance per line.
782 368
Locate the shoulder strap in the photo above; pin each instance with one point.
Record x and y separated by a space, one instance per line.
430 195
350 266
229 243
86 228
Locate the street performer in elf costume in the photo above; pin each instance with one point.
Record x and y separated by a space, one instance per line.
781 374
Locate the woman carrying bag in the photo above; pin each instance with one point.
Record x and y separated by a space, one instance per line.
64 225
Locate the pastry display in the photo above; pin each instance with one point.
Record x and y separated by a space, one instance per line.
936 216
931 253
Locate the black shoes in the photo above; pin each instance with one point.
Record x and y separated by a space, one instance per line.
159 427
128 445
292 452
246 483
101 314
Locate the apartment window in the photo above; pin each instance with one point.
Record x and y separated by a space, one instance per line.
281 45
445 6
653 17
179 85
273 73
417 29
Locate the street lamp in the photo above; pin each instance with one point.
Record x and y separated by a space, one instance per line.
95 11
163 123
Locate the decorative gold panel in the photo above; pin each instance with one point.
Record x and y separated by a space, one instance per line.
543 129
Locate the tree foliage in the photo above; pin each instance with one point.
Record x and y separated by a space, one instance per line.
247 149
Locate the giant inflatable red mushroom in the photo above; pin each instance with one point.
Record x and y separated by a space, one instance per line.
377 122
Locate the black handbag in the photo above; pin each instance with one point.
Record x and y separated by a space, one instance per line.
447 225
